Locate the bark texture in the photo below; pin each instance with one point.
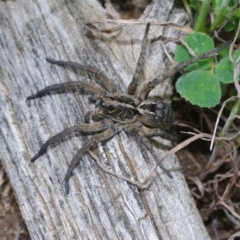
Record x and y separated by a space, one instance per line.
99 206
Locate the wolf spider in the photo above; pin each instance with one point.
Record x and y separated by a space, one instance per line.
114 111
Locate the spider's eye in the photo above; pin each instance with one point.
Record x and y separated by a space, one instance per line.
162 110
159 114
153 108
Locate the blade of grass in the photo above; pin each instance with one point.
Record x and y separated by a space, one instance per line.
201 20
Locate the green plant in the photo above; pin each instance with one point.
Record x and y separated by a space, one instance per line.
201 83
225 13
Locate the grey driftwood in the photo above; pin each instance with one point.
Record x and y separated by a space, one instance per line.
99 206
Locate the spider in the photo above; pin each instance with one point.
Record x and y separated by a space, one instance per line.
115 112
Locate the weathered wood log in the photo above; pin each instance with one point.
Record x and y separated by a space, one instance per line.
99 205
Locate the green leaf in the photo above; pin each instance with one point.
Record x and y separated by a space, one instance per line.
224 52
199 43
200 87
225 69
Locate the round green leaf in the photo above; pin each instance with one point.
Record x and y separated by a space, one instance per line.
200 87
199 43
225 69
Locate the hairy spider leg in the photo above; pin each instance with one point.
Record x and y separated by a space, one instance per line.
142 133
152 84
156 132
148 145
83 127
107 134
84 86
106 82
139 69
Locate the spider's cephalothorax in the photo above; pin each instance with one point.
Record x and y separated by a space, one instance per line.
113 112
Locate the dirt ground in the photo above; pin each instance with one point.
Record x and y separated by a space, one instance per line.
12 226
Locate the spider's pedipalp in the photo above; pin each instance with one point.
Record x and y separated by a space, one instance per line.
105 135
83 127
84 86
106 82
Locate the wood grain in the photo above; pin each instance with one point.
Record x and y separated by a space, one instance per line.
99 206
